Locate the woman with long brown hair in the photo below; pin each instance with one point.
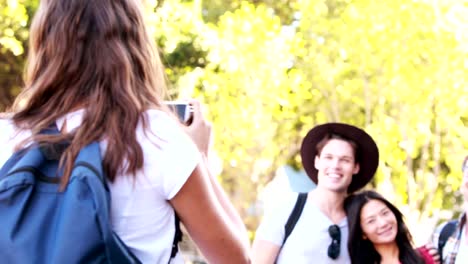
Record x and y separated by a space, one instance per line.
93 71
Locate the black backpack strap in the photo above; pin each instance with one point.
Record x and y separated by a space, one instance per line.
444 235
177 238
294 216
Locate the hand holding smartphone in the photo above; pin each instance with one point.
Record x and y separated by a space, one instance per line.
196 125
182 110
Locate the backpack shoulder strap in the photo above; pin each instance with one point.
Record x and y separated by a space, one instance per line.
177 237
444 235
294 216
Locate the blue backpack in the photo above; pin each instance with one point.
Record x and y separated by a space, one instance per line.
43 225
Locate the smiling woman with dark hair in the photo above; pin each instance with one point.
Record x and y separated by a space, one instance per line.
378 233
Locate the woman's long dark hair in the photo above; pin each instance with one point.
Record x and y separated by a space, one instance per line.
95 55
361 250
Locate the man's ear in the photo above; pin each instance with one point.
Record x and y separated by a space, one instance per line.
356 168
316 161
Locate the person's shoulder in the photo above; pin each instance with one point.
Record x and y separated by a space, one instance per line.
157 115
5 116
10 137
272 225
444 224
439 227
444 230
162 124
281 207
163 133
7 127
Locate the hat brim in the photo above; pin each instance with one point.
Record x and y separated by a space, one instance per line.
368 152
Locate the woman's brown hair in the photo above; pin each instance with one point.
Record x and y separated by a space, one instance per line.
95 55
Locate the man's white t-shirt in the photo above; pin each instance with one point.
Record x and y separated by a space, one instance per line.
462 256
141 214
309 240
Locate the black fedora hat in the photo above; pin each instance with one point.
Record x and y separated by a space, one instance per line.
367 153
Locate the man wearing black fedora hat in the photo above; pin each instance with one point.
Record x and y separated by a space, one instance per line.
340 159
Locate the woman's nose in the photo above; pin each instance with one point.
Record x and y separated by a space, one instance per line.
382 222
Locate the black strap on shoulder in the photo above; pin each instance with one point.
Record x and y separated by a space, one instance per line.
294 216
444 235
177 238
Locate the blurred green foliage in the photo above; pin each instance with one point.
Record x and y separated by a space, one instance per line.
269 70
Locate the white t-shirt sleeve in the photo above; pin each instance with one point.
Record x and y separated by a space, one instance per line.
271 228
10 137
179 156
5 142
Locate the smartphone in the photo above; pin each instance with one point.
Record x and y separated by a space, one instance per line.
181 109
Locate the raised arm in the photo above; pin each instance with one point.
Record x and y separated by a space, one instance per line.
205 209
208 222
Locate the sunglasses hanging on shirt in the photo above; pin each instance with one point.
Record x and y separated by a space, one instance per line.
334 248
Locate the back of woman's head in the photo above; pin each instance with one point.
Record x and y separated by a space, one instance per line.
95 55
361 249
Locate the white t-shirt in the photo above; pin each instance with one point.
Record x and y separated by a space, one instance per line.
141 214
462 255
309 240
